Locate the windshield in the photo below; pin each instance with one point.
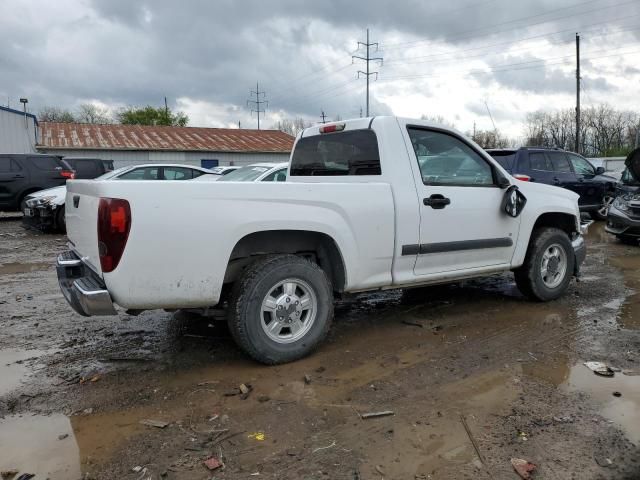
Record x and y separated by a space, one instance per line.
112 173
245 174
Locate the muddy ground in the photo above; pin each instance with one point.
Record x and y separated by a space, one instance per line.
474 375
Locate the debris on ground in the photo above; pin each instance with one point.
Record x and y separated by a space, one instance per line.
412 324
136 469
307 379
523 467
26 476
263 398
63 436
631 373
245 391
523 436
380 470
384 413
600 368
617 394
154 423
9 473
259 436
212 463
603 461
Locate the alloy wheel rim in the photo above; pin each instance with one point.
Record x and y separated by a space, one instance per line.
288 310
553 265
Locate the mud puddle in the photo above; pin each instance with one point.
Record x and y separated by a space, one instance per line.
630 309
18 268
13 368
623 410
40 445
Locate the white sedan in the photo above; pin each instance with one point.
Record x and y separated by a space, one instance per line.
258 172
45 209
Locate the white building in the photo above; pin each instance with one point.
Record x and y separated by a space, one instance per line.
137 144
18 131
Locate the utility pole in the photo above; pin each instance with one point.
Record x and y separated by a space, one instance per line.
239 127
360 112
323 116
577 93
367 59
257 102
166 108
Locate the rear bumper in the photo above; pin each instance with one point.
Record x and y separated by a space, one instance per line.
82 288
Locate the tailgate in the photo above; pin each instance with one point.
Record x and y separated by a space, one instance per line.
81 208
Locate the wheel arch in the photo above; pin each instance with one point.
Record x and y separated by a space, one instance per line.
317 246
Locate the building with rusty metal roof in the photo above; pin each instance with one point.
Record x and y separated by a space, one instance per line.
137 144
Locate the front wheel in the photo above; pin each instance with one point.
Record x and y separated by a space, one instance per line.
601 213
281 309
548 265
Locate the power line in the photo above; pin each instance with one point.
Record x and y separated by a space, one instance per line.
257 102
367 59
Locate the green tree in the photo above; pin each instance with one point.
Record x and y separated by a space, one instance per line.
152 116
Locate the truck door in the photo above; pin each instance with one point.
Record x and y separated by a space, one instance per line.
462 224
590 189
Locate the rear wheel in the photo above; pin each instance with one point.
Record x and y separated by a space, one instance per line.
601 213
281 308
548 266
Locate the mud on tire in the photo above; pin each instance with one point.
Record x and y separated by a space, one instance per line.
549 242
267 292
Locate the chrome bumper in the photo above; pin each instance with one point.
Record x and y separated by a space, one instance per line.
82 288
580 252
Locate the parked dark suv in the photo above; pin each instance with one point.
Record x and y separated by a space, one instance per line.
22 174
554 166
88 168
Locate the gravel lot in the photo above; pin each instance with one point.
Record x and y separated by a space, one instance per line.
474 375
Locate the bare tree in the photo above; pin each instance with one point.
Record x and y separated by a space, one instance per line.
90 113
491 139
438 119
55 114
292 127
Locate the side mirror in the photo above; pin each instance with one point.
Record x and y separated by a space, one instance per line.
599 170
513 202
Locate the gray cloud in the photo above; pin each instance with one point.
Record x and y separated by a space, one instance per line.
123 52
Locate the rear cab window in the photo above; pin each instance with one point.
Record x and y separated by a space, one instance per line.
351 152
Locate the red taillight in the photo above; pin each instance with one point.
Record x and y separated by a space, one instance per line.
114 223
70 174
336 127
524 178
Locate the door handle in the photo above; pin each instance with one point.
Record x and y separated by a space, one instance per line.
18 176
436 201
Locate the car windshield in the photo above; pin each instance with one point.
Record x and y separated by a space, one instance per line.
112 173
245 174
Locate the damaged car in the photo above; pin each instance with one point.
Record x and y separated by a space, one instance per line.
623 219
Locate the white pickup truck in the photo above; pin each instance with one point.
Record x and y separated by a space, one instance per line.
372 203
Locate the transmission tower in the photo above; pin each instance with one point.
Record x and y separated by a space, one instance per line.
368 59
256 104
323 116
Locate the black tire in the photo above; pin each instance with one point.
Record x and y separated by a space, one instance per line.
528 276
245 315
61 224
601 214
627 240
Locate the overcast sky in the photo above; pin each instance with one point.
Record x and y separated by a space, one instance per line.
449 59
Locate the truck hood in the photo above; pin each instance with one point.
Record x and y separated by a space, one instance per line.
632 162
58 194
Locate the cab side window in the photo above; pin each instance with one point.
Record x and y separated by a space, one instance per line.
539 161
446 160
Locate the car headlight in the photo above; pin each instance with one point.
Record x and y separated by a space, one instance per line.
46 200
622 203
